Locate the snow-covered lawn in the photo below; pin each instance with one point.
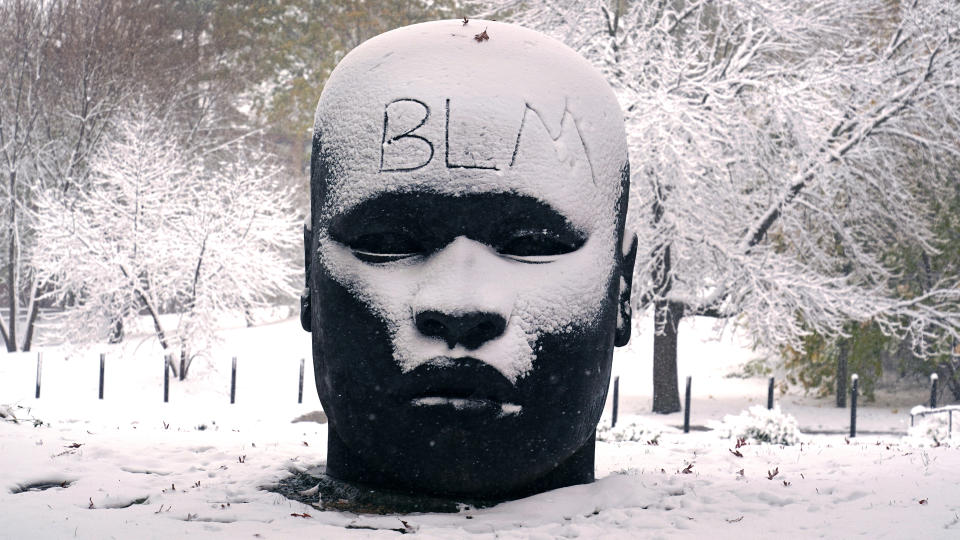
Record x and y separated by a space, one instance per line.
131 466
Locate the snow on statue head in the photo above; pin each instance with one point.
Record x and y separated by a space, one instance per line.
467 268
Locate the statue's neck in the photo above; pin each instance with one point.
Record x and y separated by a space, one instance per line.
346 466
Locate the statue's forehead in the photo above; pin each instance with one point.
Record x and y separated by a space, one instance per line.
428 107
472 153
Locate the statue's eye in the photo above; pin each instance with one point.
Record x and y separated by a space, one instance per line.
538 243
385 247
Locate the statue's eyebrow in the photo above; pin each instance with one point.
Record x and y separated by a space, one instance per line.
381 211
480 215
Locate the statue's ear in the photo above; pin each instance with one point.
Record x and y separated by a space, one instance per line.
624 310
306 317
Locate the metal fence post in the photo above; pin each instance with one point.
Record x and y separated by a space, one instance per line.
933 390
233 381
103 358
616 400
686 408
166 378
39 368
770 394
853 404
300 389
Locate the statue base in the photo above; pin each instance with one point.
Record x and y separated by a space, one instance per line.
314 487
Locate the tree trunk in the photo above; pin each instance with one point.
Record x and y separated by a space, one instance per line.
3 333
31 321
842 374
666 389
11 336
953 368
184 363
116 330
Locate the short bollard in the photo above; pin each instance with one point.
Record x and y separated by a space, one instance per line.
616 400
166 378
300 386
853 404
933 390
686 408
103 358
39 367
233 381
770 394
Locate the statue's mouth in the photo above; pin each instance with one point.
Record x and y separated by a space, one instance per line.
461 384
468 404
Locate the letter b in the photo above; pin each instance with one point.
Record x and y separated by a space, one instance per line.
403 150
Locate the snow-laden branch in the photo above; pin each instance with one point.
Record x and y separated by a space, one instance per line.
164 226
783 155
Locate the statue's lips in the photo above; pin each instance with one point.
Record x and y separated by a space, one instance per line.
463 383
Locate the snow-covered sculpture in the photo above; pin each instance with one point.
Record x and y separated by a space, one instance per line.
467 270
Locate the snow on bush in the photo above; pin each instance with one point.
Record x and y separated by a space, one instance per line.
759 424
929 430
630 430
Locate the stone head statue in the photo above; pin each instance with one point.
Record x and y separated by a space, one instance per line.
467 269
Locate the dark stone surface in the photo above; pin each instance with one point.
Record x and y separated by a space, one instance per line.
377 435
316 488
451 358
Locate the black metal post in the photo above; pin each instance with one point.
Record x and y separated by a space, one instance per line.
770 394
166 378
39 367
103 358
933 390
853 404
686 408
300 387
616 400
233 381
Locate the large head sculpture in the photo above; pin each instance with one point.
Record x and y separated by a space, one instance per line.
467 267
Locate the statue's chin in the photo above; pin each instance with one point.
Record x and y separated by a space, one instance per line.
453 469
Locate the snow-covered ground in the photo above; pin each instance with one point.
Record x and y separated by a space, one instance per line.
131 466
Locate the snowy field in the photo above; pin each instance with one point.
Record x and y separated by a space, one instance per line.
131 466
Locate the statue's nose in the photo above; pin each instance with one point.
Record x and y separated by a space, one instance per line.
465 297
469 329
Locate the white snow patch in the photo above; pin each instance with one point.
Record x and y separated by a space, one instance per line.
506 409
195 483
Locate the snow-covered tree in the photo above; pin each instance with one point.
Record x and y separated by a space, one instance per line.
165 224
66 66
778 151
